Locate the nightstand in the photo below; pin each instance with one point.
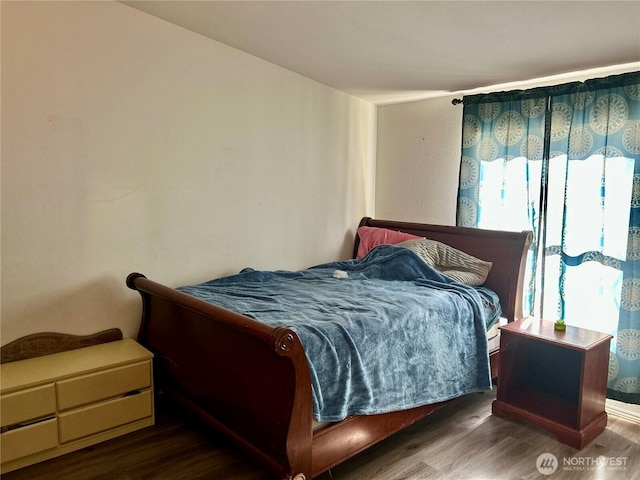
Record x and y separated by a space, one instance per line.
556 380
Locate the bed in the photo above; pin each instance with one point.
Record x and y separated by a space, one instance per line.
255 382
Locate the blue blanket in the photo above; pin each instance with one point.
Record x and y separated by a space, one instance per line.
386 332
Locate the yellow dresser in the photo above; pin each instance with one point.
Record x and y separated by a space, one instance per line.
58 403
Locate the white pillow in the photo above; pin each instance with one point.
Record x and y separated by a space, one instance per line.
453 263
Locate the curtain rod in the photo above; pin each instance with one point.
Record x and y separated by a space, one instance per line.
622 79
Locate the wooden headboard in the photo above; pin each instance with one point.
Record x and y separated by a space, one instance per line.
507 250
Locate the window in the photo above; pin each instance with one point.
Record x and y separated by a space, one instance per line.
564 162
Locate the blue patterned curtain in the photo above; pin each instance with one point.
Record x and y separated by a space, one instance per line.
564 162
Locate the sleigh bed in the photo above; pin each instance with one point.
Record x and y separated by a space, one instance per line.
256 383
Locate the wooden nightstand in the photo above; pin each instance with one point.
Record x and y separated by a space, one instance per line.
556 380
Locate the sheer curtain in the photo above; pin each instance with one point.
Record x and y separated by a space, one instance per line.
564 162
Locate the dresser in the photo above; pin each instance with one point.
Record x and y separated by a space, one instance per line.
58 403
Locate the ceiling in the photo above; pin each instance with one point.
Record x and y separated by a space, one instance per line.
393 51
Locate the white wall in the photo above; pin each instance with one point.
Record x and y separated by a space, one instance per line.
130 144
418 160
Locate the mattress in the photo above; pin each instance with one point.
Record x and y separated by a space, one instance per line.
493 334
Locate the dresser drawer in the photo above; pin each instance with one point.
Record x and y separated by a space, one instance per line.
103 385
97 418
27 440
28 404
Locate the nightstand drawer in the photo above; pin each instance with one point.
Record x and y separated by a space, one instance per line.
24 441
103 385
93 419
28 404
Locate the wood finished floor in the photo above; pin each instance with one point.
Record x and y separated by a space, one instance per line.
463 441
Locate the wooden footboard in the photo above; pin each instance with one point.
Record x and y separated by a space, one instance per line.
247 379
251 381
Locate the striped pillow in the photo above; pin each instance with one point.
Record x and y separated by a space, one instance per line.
453 263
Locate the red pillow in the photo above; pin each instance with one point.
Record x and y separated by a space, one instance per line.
373 236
